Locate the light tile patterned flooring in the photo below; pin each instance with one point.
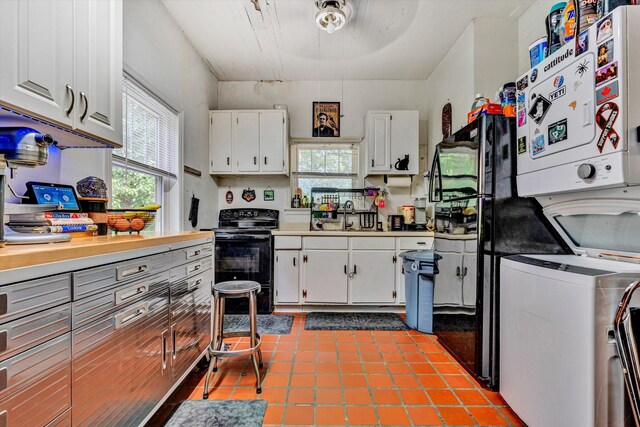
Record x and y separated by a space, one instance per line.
355 378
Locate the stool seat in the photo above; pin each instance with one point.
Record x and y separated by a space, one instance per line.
232 287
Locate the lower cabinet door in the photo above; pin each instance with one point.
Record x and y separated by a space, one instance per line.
400 282
469 271
372 277
325 276
286 277
120 364
190 322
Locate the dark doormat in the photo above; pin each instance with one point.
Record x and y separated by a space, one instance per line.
218 413
267 323
354 322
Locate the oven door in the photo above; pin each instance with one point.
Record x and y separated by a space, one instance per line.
243 257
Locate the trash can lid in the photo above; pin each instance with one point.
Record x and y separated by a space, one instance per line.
421 255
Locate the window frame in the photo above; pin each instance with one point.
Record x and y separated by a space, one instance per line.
172 211
357 177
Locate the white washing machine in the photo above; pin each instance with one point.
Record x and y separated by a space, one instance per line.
559 365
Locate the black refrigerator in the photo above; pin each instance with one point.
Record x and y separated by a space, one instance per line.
473 182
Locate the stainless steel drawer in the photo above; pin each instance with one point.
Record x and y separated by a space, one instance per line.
97 306
182 271
181 256
24 298
94 280
29 331
190 321
120 364
63 420
35 386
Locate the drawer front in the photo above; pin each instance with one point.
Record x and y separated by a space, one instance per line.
288 242
325 242
446 245
373 243
95 280
120 365
194 267
190 327
97 306
63 420
24 298
181 256
36 384
415 243
30 331
471 246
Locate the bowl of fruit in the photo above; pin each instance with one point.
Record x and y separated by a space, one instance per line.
131 220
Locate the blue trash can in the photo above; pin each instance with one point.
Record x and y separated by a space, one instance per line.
420 268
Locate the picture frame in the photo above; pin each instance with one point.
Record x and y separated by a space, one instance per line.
326 119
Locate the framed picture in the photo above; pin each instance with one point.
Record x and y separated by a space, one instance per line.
326 119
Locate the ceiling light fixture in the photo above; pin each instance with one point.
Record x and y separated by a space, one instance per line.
332 14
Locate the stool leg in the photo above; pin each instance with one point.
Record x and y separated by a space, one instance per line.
253 328
214 343
220 331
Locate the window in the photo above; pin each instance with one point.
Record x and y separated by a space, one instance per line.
146 168
324 165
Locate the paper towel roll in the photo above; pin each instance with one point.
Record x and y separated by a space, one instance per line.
399 181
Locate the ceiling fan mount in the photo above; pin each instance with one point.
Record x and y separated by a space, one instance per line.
332 14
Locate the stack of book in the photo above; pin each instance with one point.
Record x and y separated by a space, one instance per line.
52 222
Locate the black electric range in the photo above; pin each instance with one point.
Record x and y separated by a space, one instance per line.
244 251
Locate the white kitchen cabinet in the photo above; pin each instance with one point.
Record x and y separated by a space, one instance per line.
62 61
372 276
248 142
390 136
220 141
325 276
455 285
286 272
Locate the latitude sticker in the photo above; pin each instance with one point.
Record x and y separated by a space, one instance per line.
539 109
558 131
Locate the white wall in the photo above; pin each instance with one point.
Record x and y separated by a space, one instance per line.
156 49
531 26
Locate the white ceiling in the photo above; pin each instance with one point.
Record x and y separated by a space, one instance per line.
384 39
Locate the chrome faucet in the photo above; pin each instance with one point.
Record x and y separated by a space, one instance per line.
347 205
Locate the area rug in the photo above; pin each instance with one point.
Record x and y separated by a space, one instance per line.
218 413
267 323
354 322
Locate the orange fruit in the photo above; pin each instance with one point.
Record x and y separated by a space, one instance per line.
123 224
111 220
137 224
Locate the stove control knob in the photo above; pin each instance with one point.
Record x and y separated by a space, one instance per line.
586 171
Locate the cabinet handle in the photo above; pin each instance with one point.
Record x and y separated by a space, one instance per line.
193 254
265 160
458 272
421 243
395 259
345 269
3 378
122 272
355 269
131 315
228 161
3 341
294 261
255 160
86 106
3 304
464 272
174 336
131 292
163 337
403 269
194 267
371 162
73 100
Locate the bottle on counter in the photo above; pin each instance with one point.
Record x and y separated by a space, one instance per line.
296 201
553 21
570 22
508 99
479 101
305 201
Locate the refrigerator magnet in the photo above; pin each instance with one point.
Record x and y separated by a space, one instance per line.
522 145
269 194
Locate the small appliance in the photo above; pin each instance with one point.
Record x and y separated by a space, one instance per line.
420 204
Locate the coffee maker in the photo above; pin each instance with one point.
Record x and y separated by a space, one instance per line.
23 147
420 218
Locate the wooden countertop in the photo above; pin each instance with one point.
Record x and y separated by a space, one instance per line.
15 256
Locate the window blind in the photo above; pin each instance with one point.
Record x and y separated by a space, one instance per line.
150 131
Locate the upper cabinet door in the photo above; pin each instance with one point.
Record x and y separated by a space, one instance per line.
404 142
247 141
99 68
220 137
36 57
379 142
272 141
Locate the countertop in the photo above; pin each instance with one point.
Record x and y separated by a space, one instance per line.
15 256
352 233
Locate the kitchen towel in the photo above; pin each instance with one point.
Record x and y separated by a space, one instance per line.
267 323
399 181
354 322
218 413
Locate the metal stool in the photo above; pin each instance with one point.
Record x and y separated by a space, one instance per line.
234 289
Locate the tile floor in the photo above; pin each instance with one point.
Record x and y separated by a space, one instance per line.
355 378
